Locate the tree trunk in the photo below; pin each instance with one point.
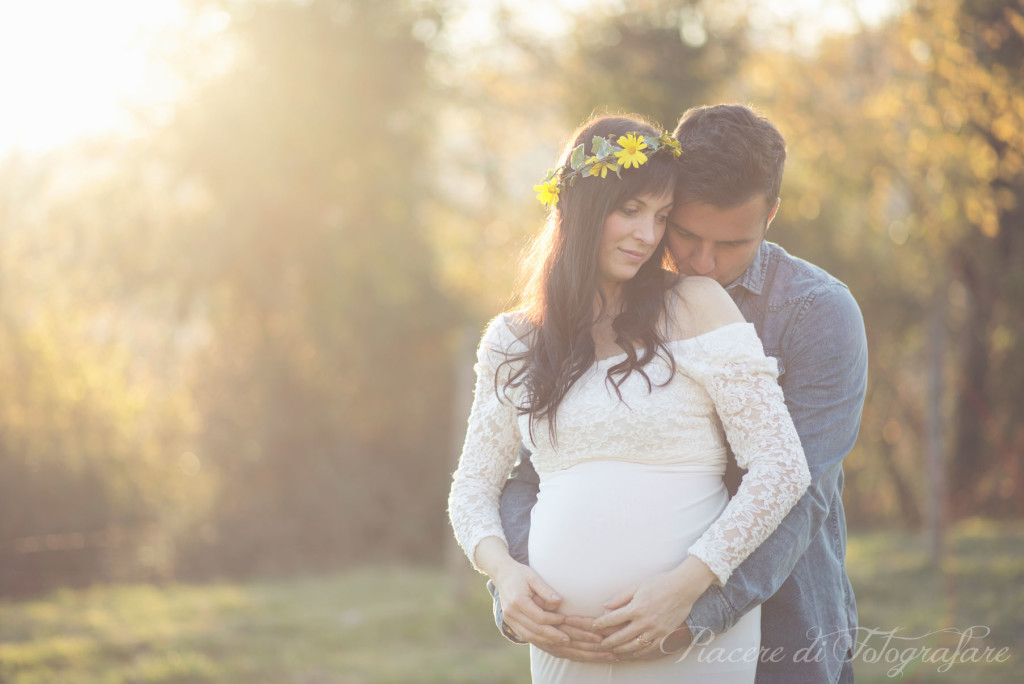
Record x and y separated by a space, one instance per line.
935 462
972 455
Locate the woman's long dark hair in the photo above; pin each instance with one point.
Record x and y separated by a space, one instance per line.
562 281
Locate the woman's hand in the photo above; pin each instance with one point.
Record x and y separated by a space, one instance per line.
651 615
528 605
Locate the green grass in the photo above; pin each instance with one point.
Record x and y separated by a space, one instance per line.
981 584
400 625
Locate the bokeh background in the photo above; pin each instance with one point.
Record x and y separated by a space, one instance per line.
247 247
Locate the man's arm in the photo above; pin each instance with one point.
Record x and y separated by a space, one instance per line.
824 384
517 500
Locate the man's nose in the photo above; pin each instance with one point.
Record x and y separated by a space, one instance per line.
702 261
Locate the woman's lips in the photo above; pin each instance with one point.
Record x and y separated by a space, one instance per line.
633 256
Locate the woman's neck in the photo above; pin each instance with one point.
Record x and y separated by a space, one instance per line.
606 308
610 300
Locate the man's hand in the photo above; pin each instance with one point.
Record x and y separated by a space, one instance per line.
584 645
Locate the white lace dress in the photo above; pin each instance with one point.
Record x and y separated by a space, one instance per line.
635 485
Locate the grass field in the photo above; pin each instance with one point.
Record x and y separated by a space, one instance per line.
405 625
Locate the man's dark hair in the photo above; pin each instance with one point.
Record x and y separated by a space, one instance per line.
730 153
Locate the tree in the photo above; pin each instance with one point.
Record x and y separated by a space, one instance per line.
327 355
905 180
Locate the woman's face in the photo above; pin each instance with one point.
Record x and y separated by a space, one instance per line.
631 234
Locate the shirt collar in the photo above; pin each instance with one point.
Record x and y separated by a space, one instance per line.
753 278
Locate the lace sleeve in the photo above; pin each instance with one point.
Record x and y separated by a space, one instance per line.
489 452
742 382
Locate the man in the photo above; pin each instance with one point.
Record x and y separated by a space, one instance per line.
808 321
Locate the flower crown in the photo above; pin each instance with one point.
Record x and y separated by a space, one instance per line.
624 153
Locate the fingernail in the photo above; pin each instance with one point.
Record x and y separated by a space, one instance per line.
554 597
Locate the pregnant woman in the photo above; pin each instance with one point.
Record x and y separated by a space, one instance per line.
625 381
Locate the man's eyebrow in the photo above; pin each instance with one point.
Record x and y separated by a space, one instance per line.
740 241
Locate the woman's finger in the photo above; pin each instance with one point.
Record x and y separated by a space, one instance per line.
543 594
641 643
620 599
624 640
613 618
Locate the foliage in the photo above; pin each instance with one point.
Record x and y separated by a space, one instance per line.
905 181
650 56
224 337
328 350
96 476
227 344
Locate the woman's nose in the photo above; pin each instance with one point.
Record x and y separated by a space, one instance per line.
647 230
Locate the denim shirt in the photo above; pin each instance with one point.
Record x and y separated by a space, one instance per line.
811 324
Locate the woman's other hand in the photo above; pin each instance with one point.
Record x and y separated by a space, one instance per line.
651 615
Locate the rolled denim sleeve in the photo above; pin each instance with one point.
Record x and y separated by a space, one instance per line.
825 380
517 500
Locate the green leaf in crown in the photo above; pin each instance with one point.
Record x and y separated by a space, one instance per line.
576 160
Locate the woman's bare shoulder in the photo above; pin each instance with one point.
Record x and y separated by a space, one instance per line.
698 305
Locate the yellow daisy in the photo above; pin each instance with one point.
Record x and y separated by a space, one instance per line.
600 167
630 155
547 192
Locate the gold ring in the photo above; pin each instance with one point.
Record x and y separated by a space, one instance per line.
642 641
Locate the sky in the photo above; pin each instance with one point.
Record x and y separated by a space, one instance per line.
71 68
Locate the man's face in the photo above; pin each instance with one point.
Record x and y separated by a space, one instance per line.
718 243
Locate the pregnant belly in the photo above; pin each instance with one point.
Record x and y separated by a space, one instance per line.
602 526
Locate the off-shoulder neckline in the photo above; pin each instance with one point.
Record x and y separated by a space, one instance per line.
685 340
